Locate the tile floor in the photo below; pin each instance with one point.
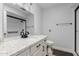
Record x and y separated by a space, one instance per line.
58 53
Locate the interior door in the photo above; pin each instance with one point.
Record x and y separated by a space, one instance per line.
77 31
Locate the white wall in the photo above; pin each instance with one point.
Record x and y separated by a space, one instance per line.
62 35
1 21
34 23
30 25
37 19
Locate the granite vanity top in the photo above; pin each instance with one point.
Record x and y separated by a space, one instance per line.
13 44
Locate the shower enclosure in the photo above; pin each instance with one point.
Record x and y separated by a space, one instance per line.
76 45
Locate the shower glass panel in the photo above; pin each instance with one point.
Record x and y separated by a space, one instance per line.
77 31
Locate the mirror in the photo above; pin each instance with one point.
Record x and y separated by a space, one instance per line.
15 24
15 20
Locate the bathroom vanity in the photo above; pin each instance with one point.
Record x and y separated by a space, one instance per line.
34 45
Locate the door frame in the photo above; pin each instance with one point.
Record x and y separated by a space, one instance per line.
75 30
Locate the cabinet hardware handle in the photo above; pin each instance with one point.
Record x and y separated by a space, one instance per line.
23 9
38 45
43 48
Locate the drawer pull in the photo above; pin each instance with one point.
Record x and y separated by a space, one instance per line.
38 45
43 48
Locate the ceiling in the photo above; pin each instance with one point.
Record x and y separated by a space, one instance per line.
47 5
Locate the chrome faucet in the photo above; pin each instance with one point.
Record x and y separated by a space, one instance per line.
24 35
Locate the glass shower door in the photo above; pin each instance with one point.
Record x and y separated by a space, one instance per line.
77 31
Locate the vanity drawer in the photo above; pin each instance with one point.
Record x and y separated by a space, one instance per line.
39 52
36 47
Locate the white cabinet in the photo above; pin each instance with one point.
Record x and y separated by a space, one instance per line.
36 47
39 49
38 52
44 46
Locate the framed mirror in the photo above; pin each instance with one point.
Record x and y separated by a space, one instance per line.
13 24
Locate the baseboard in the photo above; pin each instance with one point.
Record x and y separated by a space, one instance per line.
65 49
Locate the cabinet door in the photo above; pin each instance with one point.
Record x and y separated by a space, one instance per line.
44 47
38 52
36 47
41 51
